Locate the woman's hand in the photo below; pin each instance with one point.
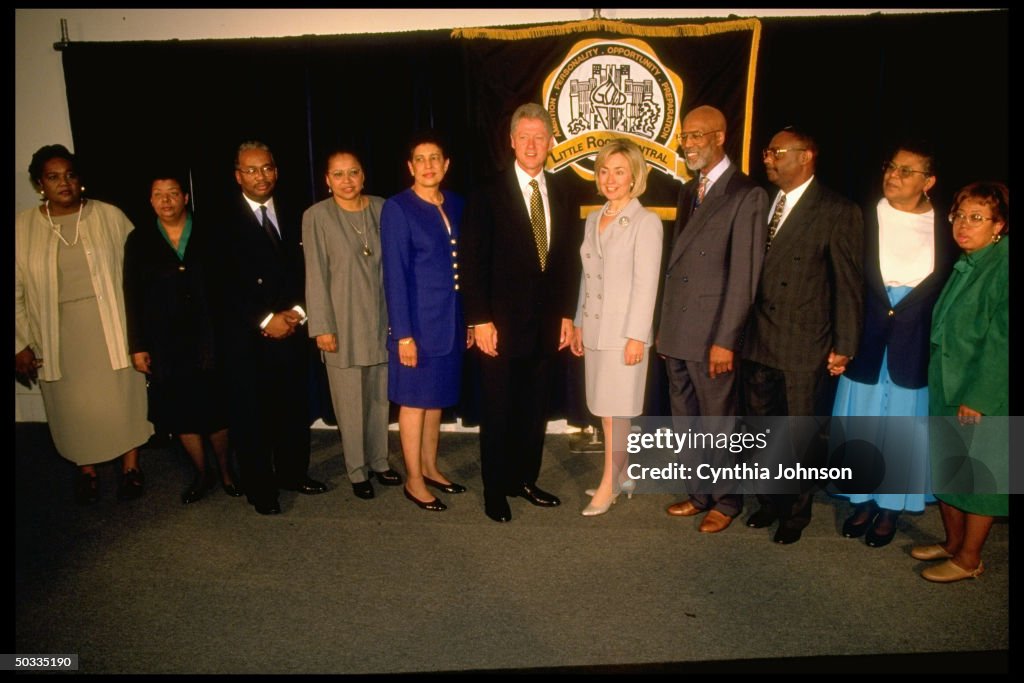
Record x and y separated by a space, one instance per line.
634 352
968 416
142 362
577 341
327 342
26 367
407 351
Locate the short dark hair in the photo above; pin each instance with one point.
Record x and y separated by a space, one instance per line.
805 136
44 154
174 174
991 192
919 146
427 137
337 152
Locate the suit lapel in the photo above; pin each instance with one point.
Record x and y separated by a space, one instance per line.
702 215
794 229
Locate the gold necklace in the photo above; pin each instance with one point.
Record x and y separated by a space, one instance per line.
56 228
362 233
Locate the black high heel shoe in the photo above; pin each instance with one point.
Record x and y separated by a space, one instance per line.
198 488
433 505
87 489
877 540
852 529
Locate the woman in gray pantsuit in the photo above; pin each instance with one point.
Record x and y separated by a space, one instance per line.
348 318
621 255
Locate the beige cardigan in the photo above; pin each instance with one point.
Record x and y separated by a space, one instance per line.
103 232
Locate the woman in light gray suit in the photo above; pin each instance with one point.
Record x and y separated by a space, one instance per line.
348 318
621 255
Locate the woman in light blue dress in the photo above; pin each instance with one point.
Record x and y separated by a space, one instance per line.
908 257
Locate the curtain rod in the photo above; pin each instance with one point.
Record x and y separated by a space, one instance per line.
64 40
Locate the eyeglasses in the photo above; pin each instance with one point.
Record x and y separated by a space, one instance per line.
269 169
697 136
972 219
778 152
901 171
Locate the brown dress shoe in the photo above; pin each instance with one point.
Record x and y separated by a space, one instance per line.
949 571
684 509
929 552
714 522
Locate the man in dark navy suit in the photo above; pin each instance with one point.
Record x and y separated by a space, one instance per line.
267 351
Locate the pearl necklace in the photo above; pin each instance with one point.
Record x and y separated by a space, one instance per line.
56 228
608 211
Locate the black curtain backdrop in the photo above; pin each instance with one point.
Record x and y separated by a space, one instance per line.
860 83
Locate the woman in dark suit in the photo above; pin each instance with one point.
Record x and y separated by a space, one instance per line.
426 335
172 302
969 383
908 256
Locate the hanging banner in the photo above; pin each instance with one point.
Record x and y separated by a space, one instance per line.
603 79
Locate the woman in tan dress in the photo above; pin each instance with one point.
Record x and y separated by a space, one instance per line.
69 329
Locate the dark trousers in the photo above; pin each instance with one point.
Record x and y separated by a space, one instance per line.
513 420
692 393
270 416
771 392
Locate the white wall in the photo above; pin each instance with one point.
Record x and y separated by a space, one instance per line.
41 109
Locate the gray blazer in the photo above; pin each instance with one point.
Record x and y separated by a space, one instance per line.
344 287
811 297
619 282
713 269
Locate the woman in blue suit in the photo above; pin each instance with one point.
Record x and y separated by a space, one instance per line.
427 335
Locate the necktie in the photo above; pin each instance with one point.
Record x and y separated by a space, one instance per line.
702 189
268 227
773 224
540 235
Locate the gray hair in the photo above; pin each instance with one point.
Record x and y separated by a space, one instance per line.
531 110
249 145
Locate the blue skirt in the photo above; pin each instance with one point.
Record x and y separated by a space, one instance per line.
433 383
907 463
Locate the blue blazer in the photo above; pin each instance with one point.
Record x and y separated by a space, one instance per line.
421 273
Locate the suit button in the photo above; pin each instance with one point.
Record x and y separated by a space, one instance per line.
455 277
783 284
587 296
892 313
599 276
453 241
181 269
588 254
588 276
702 253
683 308
597 316
456 286
259 281
455 253
686 279
586 315
771 308
455 265
598 296
668 276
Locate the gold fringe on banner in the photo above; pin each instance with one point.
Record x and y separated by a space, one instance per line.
609 26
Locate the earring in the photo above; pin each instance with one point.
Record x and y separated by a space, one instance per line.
83 189
996 238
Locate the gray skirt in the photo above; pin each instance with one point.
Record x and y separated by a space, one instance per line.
615 389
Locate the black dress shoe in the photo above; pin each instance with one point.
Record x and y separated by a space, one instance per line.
307 486
233 490
538 497
851 529
388 477
785 535
268 508
877 540
434 505
132 485
362 489
764 517
201 483
498 510
87 489
446 488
